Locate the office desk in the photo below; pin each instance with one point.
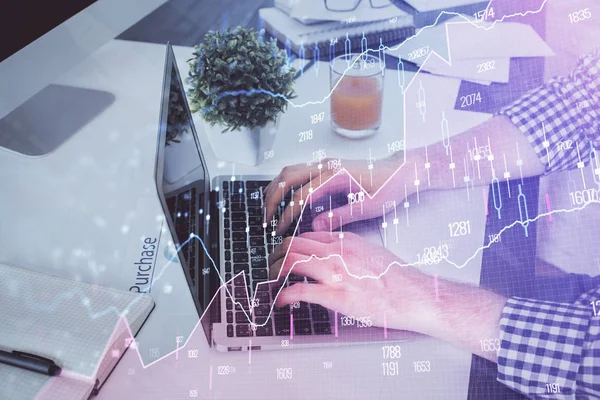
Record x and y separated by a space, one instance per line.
81 211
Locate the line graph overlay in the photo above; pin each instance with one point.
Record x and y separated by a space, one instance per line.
475 23
94 314
314 257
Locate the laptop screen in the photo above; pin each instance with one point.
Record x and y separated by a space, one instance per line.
182 183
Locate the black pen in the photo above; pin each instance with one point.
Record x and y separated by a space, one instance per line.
31 362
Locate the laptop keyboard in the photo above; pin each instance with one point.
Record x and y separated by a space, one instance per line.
247 245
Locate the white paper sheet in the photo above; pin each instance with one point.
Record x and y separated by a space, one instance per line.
432 5
503 40
458 39
315 9
474 69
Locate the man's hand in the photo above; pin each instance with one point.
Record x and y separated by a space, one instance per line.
325 182
354 277
358 278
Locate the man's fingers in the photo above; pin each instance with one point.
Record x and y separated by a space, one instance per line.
301 202
323 237
309 243
310 293
345 214
290 176
299 244
327 184
301 264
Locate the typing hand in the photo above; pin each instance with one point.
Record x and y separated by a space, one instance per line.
326 182
355 277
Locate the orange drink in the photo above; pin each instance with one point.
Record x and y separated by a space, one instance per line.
357 97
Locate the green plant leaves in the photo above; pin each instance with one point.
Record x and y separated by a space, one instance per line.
236 78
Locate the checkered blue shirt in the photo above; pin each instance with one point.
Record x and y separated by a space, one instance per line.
552 350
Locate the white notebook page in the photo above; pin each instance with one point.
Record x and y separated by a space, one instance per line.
70 322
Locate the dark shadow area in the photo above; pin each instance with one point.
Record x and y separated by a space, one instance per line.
23 21
50 118
185 22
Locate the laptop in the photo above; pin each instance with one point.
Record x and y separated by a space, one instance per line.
218 224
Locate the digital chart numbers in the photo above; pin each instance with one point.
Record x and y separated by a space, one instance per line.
284 373
492 180
391 368
580 15
391 365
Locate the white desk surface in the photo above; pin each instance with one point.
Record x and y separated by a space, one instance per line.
81 212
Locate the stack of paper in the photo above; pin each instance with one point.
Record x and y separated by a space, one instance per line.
310 30
314 11
429 5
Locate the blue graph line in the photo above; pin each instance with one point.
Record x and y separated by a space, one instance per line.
85 299
594 163
382 48
524 221
381 55
331 51
288 48
347 48
498 201
363 47
401 81
317 58
301 56
240 93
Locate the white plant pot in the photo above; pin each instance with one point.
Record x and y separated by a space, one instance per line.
246 146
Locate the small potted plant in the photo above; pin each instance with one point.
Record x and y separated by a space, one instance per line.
239 83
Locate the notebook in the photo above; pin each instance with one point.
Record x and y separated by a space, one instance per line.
287 29
84 328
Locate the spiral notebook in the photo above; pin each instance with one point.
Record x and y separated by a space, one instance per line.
81 327
305 38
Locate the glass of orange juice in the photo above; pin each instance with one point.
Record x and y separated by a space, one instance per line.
357 95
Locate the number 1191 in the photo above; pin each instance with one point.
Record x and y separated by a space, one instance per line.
390 368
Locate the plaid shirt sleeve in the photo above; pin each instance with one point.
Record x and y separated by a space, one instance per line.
561 119
551 350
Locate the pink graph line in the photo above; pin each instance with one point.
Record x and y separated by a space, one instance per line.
120 340
384 326
336 326
549 208
485 202
335 176
250 352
